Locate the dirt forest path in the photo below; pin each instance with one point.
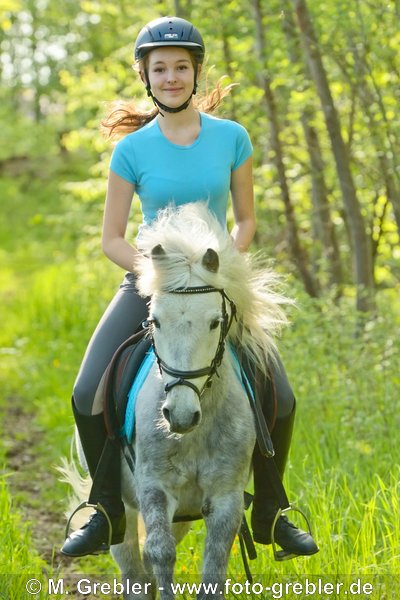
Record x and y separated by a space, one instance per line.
28 477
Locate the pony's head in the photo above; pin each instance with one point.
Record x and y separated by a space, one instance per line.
189 326
196 280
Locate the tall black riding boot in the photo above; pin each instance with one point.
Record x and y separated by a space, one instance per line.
291 539
93 537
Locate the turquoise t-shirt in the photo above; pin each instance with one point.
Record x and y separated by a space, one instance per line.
164 173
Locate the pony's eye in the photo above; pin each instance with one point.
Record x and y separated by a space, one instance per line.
154 321
215 323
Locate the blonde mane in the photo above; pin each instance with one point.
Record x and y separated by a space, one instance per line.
185 233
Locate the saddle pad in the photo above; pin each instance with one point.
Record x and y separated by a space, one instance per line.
128 427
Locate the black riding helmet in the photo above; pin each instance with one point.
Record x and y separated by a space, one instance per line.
170 31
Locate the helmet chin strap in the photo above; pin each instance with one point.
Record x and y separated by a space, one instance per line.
164 107
169 109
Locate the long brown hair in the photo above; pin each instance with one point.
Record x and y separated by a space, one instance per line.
124 117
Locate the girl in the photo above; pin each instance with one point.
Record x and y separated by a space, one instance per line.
174 154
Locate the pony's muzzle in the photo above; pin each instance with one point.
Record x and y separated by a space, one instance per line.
181 418
179 425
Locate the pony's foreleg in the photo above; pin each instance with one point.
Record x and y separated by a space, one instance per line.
223 517
159 552
127 555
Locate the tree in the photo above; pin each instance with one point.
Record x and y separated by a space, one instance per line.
321 209
298 253
360 241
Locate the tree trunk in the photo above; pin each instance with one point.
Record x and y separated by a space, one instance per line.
182 8
298 253
360 239
367 99
319 194
228 66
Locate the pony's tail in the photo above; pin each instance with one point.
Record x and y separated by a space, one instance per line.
80 488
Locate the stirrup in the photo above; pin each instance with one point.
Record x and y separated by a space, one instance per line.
280 555
98 507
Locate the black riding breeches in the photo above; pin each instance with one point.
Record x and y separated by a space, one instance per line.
120 320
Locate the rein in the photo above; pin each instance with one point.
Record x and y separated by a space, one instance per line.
183 377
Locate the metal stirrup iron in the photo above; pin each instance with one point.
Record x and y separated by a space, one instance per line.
280 555
99 507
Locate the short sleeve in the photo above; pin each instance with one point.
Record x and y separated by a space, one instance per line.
244 147
123 160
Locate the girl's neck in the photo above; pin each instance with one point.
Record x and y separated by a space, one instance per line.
181 128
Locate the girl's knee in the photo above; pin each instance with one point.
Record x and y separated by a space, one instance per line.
286 401
83 397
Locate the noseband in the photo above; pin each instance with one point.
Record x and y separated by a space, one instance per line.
182 377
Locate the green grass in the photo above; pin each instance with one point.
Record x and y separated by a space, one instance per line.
344 466
18 560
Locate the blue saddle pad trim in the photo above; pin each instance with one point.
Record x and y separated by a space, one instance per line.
240 372
128 427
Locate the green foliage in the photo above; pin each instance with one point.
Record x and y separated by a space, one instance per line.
54 282
60 96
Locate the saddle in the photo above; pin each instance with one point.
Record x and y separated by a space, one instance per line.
118 378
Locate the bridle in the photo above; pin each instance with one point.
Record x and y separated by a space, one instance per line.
183 377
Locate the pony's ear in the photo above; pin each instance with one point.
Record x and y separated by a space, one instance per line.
157 252
210 260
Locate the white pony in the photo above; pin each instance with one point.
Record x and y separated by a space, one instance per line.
195 430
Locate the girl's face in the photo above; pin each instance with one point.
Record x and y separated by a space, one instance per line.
171 75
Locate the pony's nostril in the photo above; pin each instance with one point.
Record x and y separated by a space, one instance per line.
196 418
166 414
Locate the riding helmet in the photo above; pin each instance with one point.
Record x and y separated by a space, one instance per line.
169 31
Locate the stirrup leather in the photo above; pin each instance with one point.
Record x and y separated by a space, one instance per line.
280 555
98 507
